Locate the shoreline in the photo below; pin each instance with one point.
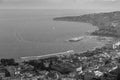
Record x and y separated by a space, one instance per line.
75 20
48 55
69 52
107 23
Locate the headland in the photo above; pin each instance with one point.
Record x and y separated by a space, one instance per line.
108 23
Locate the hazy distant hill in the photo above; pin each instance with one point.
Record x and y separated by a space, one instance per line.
108 23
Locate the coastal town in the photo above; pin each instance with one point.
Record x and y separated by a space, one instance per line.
97 64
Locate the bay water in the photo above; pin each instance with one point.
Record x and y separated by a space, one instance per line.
34 32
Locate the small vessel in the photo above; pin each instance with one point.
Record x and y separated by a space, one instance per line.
76 39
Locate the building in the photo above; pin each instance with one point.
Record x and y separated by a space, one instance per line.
89 76
116 45
98 73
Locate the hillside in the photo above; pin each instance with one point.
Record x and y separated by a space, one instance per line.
108 23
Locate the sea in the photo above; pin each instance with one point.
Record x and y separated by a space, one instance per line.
33 32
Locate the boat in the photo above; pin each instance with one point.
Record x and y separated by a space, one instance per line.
76 39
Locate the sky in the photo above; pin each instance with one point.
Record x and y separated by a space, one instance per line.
59 4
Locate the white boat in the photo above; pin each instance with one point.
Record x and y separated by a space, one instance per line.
76 39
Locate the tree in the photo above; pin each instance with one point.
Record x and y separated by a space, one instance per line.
8 62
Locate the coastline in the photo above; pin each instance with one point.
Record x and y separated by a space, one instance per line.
83 18
87 18
66 53
94 33
27 58
48 55
107 23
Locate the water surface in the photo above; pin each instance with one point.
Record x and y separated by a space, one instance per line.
33 32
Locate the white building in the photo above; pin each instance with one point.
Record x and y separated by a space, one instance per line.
116 45
98 73
79 70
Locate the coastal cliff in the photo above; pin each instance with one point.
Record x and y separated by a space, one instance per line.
108 23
